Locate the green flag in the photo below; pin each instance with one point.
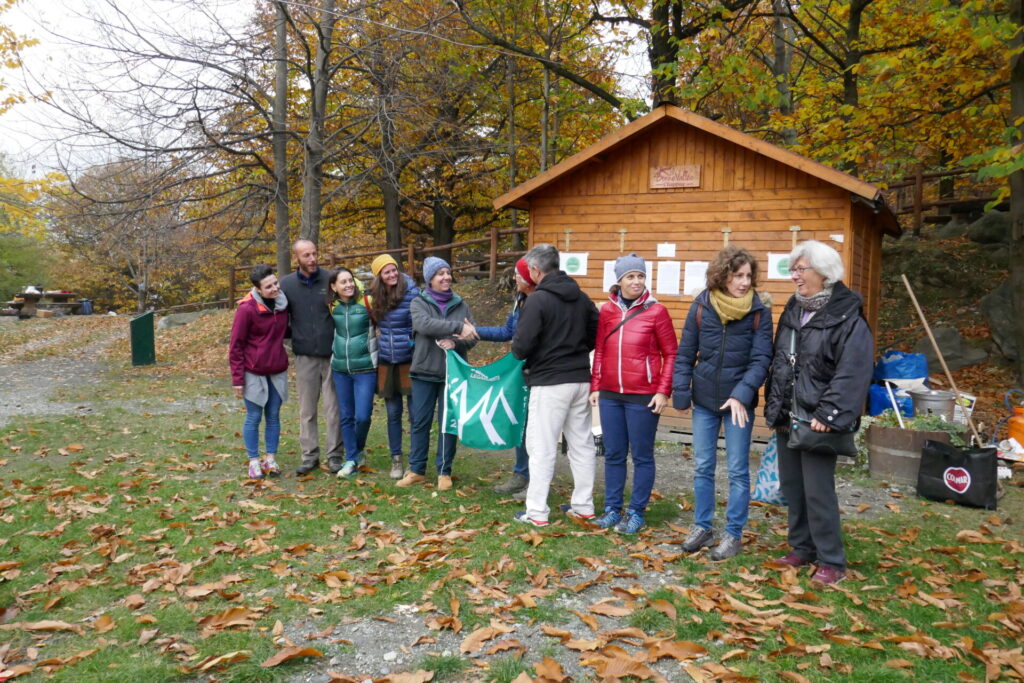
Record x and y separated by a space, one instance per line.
485 407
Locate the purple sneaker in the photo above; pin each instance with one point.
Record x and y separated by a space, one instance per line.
828 576
791 559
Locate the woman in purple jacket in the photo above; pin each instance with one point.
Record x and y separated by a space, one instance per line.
259 366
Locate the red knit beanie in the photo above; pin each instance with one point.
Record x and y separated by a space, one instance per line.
524 271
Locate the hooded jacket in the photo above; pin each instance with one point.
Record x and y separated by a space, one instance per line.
312 327
834 354
430 325
556 332
355 341
257 338
717 362
395 342
635 357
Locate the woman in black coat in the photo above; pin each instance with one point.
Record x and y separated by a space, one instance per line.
823 360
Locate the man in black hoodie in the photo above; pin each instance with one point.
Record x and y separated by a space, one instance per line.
555 335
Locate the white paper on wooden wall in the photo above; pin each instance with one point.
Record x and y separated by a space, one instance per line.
695 277
668 278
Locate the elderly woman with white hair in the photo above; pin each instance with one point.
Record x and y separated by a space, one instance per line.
819 379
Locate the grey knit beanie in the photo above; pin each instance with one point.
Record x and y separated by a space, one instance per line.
628 264
431 265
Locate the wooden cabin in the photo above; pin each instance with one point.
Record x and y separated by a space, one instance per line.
676 179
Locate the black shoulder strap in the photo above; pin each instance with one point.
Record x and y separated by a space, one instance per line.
643 307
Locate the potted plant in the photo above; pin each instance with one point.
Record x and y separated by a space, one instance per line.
894 452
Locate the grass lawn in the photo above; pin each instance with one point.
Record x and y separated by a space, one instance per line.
133 548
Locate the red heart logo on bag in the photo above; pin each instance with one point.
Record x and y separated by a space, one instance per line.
957 479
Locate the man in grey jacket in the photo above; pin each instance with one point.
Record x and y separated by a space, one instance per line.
312 331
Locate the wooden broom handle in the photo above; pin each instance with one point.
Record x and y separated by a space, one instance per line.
945 368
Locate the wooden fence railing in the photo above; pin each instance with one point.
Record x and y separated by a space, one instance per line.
923 192
413 255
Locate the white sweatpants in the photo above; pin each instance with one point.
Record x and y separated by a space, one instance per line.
555 410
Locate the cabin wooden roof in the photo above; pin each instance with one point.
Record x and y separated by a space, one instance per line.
518 196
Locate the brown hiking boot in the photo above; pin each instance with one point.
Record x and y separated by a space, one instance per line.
409 479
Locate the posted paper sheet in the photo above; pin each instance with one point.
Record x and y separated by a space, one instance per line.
668 278
695 278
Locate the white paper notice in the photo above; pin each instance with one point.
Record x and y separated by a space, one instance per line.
695 278
668 277
609 276
573 263
778 266
667 250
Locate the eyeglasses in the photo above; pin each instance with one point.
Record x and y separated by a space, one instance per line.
800 270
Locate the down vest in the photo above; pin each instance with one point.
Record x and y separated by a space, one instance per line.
834 352
396 328
635 357
717 362
355 344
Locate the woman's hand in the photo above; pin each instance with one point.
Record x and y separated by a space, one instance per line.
818 427
739 412
658 403
238 391
468 331
446 344
593 397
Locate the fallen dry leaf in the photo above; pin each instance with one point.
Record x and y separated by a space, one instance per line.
290 653
46 625
103 624
222 661
414 677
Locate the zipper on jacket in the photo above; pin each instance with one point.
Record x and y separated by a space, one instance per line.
718 369
348 339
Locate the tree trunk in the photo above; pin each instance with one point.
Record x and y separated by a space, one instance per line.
1017 181
782 63
392 212
313 146
851 95
663 55
513 164
282 236
444 226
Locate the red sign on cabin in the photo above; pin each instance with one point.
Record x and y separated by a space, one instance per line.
675 176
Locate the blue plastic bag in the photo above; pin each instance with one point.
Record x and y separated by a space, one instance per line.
899 365
768 489
878 401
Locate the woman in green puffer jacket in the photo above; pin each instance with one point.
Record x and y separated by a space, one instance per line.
353 362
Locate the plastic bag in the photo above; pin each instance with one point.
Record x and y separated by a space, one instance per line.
900 365
878 401
767 489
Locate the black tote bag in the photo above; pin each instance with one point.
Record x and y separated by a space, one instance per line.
966 476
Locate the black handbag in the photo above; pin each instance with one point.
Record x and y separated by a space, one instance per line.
801 436
966 476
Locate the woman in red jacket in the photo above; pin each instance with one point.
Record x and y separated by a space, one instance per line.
631 383
259 366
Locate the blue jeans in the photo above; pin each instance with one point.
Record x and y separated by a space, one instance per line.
628 427
355 405
394 408
522 466
425 395
706 425
251 429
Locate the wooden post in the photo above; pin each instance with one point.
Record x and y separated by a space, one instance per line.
622 239
231 286
410 259
795 229
568 235
726 230
918 200
494 253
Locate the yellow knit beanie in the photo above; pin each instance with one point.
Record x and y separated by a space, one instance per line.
378 263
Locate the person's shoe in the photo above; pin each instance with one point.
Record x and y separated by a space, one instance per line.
397 468
566 508
444 483
270 467
609 519
697 539
520 496
409 479
630 524
515 482
828 576
307 467
255 469
348 469
730 546
791 559
334 465
523 517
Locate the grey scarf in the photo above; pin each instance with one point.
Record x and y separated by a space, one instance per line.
815 302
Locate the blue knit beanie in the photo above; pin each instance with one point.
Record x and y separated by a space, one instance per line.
431 265
628 264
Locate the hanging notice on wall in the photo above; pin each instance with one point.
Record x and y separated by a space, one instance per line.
609 278
695 278
668 278
666 249
573 263
778 266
